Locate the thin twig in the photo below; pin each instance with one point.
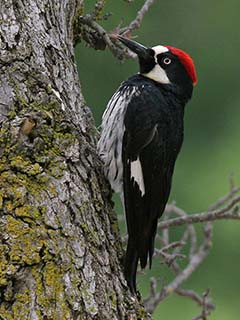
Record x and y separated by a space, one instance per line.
99 38
206 307
195 260
169 258
224 199
136 23
172 245
190 232
116 50
153 286
195 297
220 214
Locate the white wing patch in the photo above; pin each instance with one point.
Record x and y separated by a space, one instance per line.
137 174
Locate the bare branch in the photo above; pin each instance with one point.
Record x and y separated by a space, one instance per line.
169 258
204 301
224 199
175 244
220 214
190 232
196 297
206 307
97 37
195 261
101 33
153 286
154 299
136 23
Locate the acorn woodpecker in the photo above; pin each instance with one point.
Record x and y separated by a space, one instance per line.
142 134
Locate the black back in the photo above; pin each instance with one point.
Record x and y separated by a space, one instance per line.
153 134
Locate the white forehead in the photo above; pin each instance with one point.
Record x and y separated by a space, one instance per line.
160 49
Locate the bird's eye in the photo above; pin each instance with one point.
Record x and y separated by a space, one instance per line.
167 61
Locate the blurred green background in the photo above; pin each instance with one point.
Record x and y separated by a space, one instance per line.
209 31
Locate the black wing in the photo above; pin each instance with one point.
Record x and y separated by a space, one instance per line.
151 143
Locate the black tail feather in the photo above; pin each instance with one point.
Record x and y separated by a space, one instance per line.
131 263
144 249
146 244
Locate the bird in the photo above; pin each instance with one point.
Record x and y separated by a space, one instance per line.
142 133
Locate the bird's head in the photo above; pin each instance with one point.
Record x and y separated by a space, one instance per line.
164 64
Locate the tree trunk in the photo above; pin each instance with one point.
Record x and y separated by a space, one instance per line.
60 250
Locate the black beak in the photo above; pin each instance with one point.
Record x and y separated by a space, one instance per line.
142 51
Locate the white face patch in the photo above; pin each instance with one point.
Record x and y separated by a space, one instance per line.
158 74
137 174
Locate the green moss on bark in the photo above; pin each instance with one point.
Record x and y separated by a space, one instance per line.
25 243
30 163
50 291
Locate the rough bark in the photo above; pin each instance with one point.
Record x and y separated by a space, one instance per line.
60 251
